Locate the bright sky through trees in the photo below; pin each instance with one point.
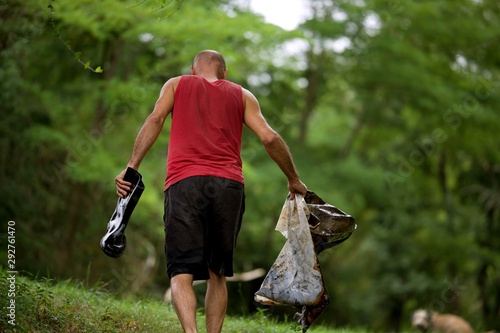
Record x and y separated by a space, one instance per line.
286 14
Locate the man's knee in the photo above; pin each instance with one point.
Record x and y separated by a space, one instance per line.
181 280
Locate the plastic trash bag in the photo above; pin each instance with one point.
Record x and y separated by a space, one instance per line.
294 278
311 226
329 225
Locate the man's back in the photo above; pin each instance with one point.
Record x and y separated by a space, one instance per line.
205 137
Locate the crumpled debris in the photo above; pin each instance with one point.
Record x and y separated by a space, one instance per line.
113 243
329 225
311 226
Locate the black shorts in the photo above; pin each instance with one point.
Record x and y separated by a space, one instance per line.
202 220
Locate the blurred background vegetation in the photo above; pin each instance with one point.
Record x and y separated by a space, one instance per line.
390 108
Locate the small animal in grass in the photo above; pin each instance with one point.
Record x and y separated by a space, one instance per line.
429 321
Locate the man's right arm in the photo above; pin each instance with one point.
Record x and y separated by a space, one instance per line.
148 133
273 143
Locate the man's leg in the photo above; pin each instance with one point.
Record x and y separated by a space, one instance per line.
184 300
215 302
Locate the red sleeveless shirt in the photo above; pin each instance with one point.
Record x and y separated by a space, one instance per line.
205 135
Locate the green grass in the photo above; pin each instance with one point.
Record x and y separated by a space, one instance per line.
47 306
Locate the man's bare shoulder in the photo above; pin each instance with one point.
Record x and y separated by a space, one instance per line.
174 81
171 84
248 96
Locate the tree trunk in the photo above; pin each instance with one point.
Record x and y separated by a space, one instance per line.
315 78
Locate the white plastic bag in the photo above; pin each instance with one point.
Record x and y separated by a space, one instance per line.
295 277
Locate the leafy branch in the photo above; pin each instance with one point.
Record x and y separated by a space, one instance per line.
164 4
77 55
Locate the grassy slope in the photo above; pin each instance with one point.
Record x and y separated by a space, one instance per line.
63 307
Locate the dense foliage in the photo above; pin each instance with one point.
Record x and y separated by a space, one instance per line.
390 109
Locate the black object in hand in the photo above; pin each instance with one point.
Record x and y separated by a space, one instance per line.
114 242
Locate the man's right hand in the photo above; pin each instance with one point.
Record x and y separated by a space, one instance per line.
122 187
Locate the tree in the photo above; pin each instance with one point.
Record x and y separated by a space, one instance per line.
67 129
422 88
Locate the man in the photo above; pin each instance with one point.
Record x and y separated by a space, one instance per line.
204 192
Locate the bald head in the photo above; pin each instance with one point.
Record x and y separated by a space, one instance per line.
209 63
